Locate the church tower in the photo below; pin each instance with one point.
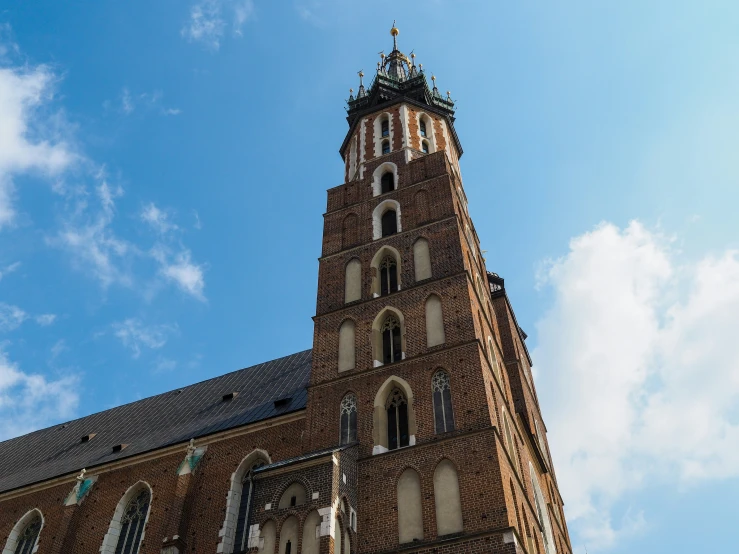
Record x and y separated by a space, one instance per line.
419 367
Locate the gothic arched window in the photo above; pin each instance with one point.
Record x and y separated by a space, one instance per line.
443 413
397 420
29 536
392 350
388 276
132 523
423 128
247 493
385 128
389 223
385 146
387 182
425 147
348 423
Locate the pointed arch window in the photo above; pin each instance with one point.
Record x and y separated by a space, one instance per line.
247 494
348 423
132 523
392 350
443 413
423 128
385 128
389 223
387 182
397 420
385 146
29 536
388 276
425 147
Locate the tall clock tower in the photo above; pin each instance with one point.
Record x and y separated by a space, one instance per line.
419 366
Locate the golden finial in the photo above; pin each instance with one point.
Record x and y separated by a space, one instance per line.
394 31
351 90
433 78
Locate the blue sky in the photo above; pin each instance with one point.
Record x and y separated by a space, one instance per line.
163 169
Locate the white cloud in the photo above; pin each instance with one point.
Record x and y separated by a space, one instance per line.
7 270
135 335
638 372
158 219
209 19
28 137
11 317
45 319
164 365
30 401
127 104
180 269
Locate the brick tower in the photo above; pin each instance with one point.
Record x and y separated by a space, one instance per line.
417 356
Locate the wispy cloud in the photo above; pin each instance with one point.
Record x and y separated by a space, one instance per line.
181 270
11 317
30 401
45 319
163 365
638 355
157 219
209 20
129 102
8 269
134 335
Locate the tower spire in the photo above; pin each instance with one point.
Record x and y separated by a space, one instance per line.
394 31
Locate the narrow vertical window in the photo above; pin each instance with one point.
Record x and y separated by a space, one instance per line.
391 340
132 524
425 147
387 182
29 536
288 548
542 514
385 128
434 322
423 128
385 146
421 259
388 276
347 349
447 499
397 420
443 413
410 507
348 423
247 494
353 281
389 223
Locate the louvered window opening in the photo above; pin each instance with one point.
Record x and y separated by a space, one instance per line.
132 524
28 538
385 128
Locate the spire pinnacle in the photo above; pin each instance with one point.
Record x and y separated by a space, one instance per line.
395 32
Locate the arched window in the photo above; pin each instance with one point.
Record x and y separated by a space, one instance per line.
392 349
347 349
425 147
23 538
353 281
289 536
311 533
494 366
132 523
247 494
410 507
385 127
389 223
397 420
542 514
447 499
434 322
385 146
421 259
387 182
443 413
388 275
268 538
294 495
349 231
348 422
423 128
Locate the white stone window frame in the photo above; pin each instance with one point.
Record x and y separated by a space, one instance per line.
377 214
20 526
378 132
377 174
110 541
430 137
228 529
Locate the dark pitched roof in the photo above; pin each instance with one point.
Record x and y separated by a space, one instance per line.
158 421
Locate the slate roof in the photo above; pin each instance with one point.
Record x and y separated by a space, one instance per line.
158 421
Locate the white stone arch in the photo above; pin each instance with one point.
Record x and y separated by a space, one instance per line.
430 130
380 255
379 415
377 334
110 541
378 132
379 211
377 174
233 499
20 526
